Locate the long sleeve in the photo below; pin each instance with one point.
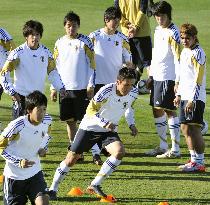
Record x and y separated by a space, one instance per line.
55 80
126 52
129 115
7 83
11 158
46 141
9 66
199 65
9 134
90 56
93 109
176 50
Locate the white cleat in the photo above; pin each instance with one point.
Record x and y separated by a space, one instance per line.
155 152
169 155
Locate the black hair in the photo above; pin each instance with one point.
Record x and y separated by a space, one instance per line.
162 7
126 73
34 99
71 16
31 26
112 13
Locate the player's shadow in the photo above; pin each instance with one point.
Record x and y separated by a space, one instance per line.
207 91
76 199
163 177
146 163
5 107
189 200
139 133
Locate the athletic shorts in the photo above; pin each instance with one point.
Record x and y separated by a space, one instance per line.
98 87
84 140
18 192
74 105
1 91
162 95
141 49
194 117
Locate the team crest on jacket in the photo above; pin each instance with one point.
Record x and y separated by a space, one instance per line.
43 134
116 43
42 58
125 105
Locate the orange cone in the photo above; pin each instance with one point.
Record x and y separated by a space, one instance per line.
75 191
110 199
1 178
163 203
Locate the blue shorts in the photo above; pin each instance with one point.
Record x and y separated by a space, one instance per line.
19 191
84 140
194 117
162 95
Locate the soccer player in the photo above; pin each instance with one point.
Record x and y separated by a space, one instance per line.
135 25
191 96
99 125
75 62
22 142
164 70
31 62
6 45
111 51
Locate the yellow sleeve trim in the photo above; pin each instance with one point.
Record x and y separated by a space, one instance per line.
51 65
199 69
3 143
55 54
10 66
176 46
8 45
91 56
94 107
49 130
126 45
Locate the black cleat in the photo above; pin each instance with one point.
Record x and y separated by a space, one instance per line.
105 153
1 91
52 195
97 160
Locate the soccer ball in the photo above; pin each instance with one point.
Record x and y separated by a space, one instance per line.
141 85
204 127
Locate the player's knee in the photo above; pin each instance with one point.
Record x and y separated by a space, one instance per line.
71 158
42 199
185 130
119 154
